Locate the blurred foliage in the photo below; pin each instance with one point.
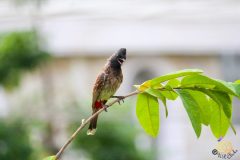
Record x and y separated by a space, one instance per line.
14 141
25 2
113 141
19 52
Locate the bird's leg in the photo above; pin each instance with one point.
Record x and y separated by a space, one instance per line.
104 106
120 98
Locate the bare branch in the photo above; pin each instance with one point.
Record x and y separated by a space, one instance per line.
85 122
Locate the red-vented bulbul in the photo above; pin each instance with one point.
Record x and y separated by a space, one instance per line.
106 84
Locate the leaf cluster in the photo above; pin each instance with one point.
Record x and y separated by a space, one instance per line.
207 101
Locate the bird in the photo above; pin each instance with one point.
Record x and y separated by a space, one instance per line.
107 83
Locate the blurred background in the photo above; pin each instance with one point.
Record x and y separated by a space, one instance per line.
52 50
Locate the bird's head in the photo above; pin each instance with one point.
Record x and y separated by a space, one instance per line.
118 58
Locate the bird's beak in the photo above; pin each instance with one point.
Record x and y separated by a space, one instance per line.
121 60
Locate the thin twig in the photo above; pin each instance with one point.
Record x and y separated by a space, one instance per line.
85 122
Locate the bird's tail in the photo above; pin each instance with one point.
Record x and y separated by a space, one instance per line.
93 125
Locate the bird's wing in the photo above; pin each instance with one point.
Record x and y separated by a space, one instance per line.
98 86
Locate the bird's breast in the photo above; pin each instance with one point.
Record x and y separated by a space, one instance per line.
111 85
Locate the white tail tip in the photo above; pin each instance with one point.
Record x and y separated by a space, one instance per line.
91 132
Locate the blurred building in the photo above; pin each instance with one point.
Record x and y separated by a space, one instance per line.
160 36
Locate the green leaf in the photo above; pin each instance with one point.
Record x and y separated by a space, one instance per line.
233 129
192 109
229 85
166 110
50 158
219 123
236 88
203 102
171 95
237 81
201 81
158 94
222 99
173 83
147 111
173 75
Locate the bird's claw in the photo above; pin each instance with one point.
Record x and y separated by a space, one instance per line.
120 98
105 107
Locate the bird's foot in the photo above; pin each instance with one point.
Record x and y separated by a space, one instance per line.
120 98
105 107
